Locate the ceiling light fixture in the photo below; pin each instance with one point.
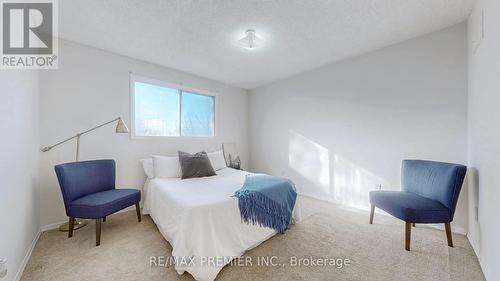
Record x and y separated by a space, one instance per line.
251 40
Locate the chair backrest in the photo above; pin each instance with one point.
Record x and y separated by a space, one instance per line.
435 180
78 179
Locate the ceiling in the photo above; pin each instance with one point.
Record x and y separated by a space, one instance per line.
199 36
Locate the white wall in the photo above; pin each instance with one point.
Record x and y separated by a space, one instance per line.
484 135
19 166
91 86
341 130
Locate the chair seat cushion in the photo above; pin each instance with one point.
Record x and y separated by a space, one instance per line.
410 207
100 204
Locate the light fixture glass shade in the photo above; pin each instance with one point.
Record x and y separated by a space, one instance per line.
121 128
251 40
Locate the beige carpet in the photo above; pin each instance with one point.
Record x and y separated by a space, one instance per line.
327 231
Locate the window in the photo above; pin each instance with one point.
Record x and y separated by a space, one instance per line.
160 109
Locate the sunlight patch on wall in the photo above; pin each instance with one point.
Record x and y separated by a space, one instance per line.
329 176
310 160
352 183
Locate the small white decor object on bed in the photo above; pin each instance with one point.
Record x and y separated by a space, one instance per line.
201 220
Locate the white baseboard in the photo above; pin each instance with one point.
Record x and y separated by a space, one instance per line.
27 257
51 226
475 248
57 224
44 228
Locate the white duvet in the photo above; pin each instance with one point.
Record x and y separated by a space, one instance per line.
202 221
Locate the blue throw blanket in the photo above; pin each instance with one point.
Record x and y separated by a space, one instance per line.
267 201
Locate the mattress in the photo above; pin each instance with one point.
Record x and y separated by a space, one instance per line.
201 220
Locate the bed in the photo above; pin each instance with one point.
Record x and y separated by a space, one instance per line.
202 222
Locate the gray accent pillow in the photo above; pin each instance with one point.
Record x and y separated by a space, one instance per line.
195 165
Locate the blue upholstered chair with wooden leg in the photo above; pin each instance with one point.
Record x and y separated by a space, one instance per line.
88 190
429 195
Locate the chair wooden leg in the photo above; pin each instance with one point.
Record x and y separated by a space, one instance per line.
372 210
407 236
138 210
97 232
448 234
104 219
71 226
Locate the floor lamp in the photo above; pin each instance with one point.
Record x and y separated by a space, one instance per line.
121 128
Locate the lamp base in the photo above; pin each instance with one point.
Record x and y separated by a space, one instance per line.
79 223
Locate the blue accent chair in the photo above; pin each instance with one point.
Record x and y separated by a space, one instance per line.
429 195
88 190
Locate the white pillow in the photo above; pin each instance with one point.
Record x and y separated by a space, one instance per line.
166 166
217 159
147 165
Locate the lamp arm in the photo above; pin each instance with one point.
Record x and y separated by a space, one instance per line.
47 148
99 126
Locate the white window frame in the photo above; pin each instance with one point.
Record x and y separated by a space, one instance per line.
137 78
